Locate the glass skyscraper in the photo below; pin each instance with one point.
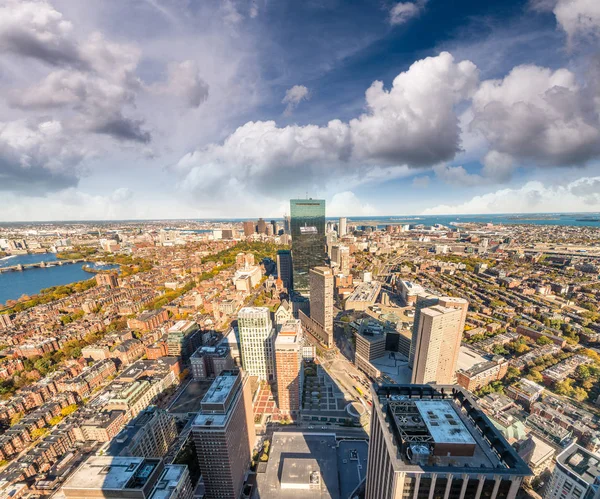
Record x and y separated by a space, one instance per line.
309 242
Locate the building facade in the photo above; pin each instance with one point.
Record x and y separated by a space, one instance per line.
284 268
257 335
321 300
223 433
575 476
288 366
309 242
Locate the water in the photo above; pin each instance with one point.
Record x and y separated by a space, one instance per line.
564 219
31 281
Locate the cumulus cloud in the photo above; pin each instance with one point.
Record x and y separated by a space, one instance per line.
347 203
293 97
577 18
402 12
34 29
38 156
579 195
185 81
538 115
414 124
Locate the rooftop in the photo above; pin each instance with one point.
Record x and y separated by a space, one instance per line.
182 327
114 473
443 423
581 462
168 481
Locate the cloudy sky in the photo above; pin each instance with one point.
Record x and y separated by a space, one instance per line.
119 109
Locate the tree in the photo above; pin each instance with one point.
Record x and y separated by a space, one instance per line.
38 433
535 376
15 418
580 394
543 340
512 373
564 387
70 409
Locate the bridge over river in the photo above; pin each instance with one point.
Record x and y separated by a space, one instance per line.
39 265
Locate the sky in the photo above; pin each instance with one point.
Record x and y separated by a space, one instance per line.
145 109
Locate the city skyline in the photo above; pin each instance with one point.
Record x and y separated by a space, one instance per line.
168 109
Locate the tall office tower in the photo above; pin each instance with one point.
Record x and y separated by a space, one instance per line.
249 228
424 301
284 267
309 244
438 328
575 476
261 226
331 238
274 225
342 229
321 300
344 259
223 432
256 342
287 226
288 367
433 441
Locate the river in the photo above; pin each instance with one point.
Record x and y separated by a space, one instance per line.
31 281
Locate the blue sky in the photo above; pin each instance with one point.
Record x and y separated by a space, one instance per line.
222 108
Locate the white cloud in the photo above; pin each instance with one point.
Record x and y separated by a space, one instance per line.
412 124
578 18
533 197
538 115
348 204
293 97
185 82
37 156
402 12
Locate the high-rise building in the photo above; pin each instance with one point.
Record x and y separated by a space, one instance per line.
261 226
149 434
287 226
321 300
180 339
249 228
256 342
434 441
223 433
309 243
432 362
288 366
426 300
274 225
341 256
575 476
342 229
284 267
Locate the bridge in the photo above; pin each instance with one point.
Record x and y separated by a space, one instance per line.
40 265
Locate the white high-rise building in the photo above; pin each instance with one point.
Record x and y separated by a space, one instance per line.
575 476
342 229
257 337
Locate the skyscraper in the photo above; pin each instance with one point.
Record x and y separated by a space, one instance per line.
249 228
321 301
341 255
274 225
433 441
261 226
309 244
286 225
256 341
224 435
438 328
424 301
288 366
342 226
284 267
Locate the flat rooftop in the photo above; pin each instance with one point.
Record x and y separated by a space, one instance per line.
581 462
220 389
114 473
295 460
181 326
443 423
168 481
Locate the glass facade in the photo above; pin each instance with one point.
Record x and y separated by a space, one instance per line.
309 242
